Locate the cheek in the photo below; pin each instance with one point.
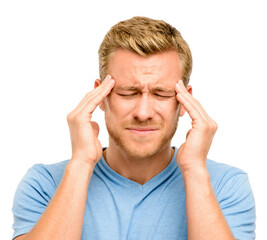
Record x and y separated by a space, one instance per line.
168 108
170 114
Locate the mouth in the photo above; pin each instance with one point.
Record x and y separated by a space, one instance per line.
142 131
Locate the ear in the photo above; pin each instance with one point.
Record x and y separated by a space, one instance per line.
182 109
101 104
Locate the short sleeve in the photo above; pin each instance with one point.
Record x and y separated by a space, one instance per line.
238 205
32 196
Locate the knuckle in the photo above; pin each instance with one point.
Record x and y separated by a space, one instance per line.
69 117
87 95
77 118
210 126
206 127
72 118
215 126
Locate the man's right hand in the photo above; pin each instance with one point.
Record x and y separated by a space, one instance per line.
67 206
84 132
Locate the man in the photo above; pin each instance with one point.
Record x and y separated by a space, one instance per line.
139 187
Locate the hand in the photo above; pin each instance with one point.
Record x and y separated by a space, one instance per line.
84 132
193 153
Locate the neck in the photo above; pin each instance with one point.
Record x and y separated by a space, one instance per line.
138 170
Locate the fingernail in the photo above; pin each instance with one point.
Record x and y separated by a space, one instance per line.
179 84
108 77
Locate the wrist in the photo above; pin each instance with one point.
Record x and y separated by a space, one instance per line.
196 172
77 166
197 181
81 160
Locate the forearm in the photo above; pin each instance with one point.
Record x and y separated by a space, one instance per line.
205 219
63 218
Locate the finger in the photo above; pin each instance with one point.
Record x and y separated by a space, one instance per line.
106 83
192 106
187 134
181 88
95 127
192 111
93 98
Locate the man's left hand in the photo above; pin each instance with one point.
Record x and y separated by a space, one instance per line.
192 154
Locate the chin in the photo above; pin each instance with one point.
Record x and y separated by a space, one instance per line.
140 147
141 151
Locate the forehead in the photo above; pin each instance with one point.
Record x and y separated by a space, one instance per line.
131 69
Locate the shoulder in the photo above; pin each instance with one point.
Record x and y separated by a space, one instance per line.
225 176
235 196
34 193
229 181
54 170
44 176
38 184
219 171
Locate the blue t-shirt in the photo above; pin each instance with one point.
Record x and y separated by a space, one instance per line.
119 208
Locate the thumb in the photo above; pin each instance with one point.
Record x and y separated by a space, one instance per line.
179 152
188 133
95 127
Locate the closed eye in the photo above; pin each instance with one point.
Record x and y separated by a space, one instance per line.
134 94
162 96
127 95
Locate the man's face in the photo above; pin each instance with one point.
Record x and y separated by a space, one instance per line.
142 111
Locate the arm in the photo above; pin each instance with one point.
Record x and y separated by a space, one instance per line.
205 219
63 218
204 216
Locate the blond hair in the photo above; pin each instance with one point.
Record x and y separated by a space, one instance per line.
144 36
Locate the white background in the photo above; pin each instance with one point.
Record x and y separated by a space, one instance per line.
49 61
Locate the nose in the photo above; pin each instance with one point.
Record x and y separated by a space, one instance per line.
144 108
